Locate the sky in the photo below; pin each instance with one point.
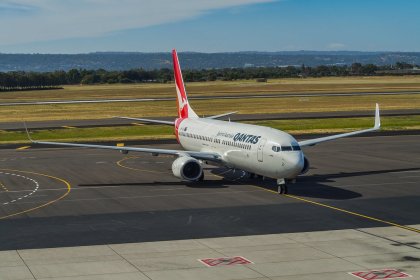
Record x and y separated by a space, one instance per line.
81 26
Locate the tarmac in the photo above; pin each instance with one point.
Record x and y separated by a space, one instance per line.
70 213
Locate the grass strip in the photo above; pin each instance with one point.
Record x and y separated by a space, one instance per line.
288 85
208 107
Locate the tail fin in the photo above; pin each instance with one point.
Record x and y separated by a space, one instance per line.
184 109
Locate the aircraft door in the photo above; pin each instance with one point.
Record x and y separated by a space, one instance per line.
260 150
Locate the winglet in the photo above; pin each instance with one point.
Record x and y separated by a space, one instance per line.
377 118
27 132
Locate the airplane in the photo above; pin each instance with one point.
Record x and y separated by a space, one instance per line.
258 150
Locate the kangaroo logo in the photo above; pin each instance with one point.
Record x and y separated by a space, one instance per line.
183 104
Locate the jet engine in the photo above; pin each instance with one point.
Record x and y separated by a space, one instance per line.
306 166
187 168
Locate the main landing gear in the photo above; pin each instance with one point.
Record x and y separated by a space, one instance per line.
281 186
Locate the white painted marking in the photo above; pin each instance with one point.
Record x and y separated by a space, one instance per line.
14 159
408 171
158 190
24 177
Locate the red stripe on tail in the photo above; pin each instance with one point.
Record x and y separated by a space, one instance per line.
180 88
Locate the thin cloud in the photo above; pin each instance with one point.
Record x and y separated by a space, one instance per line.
336 46
62 19
9 8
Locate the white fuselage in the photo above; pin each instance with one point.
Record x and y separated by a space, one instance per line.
261 150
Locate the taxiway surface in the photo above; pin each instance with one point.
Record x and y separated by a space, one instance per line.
240 96
54 197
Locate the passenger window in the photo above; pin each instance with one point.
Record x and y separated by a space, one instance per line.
286 148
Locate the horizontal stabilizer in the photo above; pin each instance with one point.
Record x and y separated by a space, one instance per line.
221 115
148 120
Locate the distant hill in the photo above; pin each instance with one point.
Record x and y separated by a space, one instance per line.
193 60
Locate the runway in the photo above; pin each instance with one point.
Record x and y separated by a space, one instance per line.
57 124
242 96
93 197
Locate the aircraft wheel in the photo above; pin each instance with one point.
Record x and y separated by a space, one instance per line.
282 189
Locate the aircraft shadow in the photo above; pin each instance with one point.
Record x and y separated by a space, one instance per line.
316 186
312 186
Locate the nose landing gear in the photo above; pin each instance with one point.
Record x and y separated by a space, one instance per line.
281 186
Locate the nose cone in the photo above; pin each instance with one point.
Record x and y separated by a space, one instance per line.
294 162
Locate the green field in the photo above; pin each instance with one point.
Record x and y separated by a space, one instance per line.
207 107
307 85
332 125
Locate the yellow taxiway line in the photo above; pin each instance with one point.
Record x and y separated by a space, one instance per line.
342 210
119 163
352 213
45 204
23 148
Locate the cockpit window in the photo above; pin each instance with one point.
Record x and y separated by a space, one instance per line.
286 148
276 149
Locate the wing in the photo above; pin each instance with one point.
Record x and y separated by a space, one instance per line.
198 155
313 142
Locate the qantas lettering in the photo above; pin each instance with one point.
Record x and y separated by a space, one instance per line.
240 137
246 138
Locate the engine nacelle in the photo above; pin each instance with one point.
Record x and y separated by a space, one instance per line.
306 166
187 168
